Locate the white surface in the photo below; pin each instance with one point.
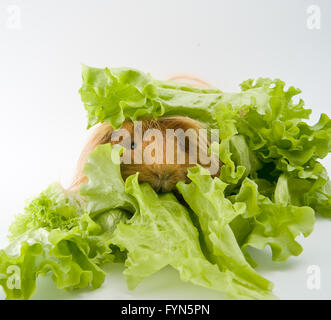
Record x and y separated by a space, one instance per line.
43 123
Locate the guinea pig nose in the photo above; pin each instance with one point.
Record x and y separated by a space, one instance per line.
166 187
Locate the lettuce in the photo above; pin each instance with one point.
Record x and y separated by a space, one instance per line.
105 187
113 95
56 236
261 128
270 187
276 142
205 196
161 233
53 208
276 224
38 252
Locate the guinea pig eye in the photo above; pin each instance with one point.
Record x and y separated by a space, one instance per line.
133 146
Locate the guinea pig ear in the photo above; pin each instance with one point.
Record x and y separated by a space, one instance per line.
100 135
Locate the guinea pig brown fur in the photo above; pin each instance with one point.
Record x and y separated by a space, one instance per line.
162 176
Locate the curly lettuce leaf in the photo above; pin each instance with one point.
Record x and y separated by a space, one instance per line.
275 130
161 233
53 208
278 142
276 224
114 95
56 236
105 188
206 198
38 252
313 191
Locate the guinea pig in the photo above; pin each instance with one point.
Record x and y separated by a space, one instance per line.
163 174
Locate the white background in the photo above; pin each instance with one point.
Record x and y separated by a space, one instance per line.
42 121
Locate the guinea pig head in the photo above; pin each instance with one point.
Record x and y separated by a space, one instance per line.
162 150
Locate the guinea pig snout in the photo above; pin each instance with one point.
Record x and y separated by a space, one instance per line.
164 182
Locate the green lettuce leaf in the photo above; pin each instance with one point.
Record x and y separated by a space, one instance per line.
161 233
276 224
206 198
38 252
278 142
53 208
313 191
271 184
56 236
113 95
105 187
